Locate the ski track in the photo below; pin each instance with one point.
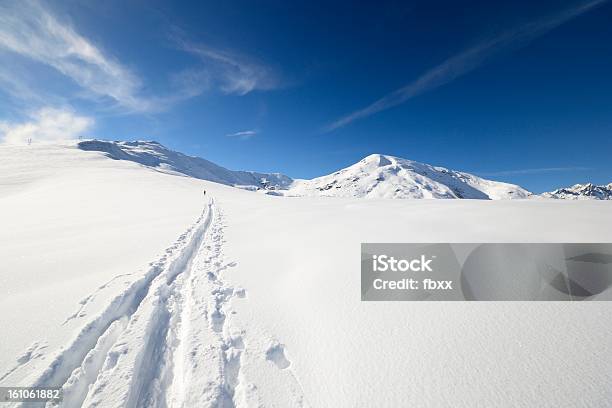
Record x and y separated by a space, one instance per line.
80 312
207 362
167 340
77 367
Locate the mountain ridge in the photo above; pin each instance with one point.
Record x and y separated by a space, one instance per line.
156 155
587 191
375 176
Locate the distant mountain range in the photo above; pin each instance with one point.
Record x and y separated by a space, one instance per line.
582 192
375 176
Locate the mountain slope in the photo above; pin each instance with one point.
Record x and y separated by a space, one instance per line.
582 192
376 176
153 154
382 176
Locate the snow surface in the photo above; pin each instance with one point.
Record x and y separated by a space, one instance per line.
129 287
382 176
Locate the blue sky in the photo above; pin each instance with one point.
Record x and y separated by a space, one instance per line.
512 91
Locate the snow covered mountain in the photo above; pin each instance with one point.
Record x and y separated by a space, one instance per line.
587 191
153 154
382 176
376 176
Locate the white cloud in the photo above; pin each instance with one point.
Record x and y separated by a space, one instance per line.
30 30
230 72
243 135
465 62
534 171
46 125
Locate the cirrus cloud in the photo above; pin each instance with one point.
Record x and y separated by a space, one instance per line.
466 62
229 71
243 135
30 30
534 171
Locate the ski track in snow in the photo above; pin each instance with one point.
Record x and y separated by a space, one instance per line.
167 340
80 312
33 352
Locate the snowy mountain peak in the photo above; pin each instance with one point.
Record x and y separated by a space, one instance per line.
383 176
588 191
378 160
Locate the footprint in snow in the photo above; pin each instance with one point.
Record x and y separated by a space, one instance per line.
276 354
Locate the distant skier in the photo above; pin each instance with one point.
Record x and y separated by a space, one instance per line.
204 192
